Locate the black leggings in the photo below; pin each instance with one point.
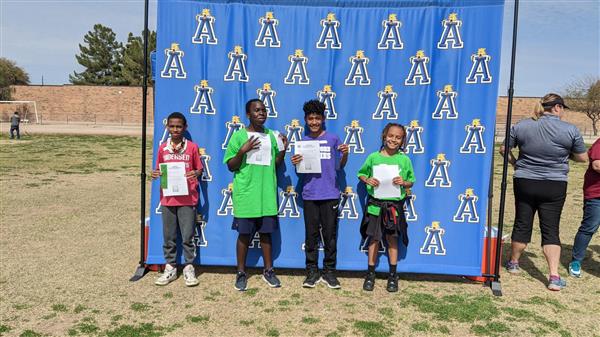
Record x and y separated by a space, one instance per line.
546 197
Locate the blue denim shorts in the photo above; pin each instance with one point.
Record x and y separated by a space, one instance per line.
265 224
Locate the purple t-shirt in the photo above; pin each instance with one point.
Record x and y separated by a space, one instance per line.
323 186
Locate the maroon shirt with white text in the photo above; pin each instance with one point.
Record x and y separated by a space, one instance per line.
190 156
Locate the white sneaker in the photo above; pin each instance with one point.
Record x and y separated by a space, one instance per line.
167 277
189 274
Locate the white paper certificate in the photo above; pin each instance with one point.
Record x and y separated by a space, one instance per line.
311 156
385 174
176 180
261 155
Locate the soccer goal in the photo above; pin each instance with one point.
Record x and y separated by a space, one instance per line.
26 109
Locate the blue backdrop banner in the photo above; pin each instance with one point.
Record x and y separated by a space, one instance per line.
430 65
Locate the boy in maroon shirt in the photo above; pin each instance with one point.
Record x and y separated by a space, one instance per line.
591 209
179 211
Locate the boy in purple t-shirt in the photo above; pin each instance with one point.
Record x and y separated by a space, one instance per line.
321 197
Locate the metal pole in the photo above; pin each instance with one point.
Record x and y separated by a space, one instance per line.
496 289
141 269
488 237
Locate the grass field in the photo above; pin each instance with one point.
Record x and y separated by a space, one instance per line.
69 243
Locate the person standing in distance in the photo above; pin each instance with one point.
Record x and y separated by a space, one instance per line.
15 120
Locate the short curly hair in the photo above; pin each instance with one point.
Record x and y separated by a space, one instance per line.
314 107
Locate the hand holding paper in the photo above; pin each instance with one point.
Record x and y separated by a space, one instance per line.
251 144
372 182
260 154
398 181
296 159
192 175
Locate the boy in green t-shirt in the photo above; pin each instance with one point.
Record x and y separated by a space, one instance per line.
252 154
385 215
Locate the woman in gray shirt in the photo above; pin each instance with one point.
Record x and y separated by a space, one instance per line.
545 145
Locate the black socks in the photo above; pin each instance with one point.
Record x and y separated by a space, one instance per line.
392 269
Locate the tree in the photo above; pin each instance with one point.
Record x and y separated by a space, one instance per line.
584 95
10 74
101 56
133 59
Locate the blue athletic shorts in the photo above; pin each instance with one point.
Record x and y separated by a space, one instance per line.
265 224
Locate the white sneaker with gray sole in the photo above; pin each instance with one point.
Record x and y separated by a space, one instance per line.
189 274
168 276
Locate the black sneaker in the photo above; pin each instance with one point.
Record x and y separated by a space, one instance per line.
241 281
271 279
312 278
369 284
392 283
330 280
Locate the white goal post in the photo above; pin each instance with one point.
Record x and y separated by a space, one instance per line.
25 118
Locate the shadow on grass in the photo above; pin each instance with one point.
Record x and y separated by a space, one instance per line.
588 264
251 271
527 264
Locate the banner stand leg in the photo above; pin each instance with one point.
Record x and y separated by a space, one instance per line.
142 269
496 288
495 283
488 237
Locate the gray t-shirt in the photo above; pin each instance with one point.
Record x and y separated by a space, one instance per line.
544 147
14 120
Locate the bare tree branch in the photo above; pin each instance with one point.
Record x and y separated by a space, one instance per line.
583 95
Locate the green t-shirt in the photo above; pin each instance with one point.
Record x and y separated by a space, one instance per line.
254 186
376 158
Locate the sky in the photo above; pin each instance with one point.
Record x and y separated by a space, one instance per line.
558 41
